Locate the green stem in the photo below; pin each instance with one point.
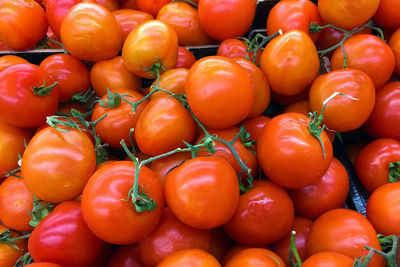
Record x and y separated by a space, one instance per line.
293 253
44 90
24 260
390 256
39 212
83 97
194 4
47 39
394 172
113 100
7 238
254 45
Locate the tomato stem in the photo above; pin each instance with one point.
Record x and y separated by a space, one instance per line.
24 260
254 45
83 98
113 100
6 237
194 4
390 256
44 90
40 210
47 39
293 253
363 261
394 171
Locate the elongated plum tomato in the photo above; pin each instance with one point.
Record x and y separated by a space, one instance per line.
214 83
150 42
22 24
289 155
56 165
90 32
27 95
290 62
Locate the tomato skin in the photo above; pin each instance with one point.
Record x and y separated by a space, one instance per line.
90 32
235 48
387 15
151 6
293 14
56 11
111 5
290 62
328 259
62 237
8 254
9 60
255 126
330 192
203 192
172 80
343 114
148 43
128 4
285 141
190 257
43 264
71 74
22 24
225 19
56 165
126 256
394 43
365 52
213 84
128 19
185 58
344 231
255 257
105 195
19 105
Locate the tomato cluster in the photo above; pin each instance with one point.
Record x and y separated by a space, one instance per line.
127 150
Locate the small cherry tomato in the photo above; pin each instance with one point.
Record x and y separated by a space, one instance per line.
128 19
190 257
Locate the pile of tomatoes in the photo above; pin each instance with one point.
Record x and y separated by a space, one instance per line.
96 170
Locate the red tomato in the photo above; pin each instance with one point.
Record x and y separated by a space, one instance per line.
286 141
43 264
330 192
8 254
342 113
331 259
90 32
27 95
128 19
111 5
190 257
106 194
301 106
126 256
51 35
213 84
22 24
56 165
394 43
128 4
387 15
293 15
225 19
344 231
221 243
9 60
151 6
235 48
255 126
290 62
203 192
255 257
62 237
185 58
172 80
162 166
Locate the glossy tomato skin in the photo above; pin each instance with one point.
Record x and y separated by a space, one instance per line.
70 73
173 80
290 62
190 257
106 195
151 6
43 264
22 24
56 11
328 259
63 237
185 58
394 43
225 19
343 114
255 257
162 166
372 163
255 126
8 254
293 14
19 105
111 5
203 192
128 19
213 84
126 256
289 155
9 60
235 48
344 231
387 15
150 42
56 165
90 32
365 52
385 117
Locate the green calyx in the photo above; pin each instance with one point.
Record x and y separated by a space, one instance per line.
44 90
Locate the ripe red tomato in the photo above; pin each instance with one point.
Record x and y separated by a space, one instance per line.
254 257
225 19
394 43
235 48
255 126
185 58
203 192
43 264
301 106
151 6
128 19
25 100
190 257
387 15
331 259
213 84
9 254
126 256
290 62
22 24
62 237
172 80
111 5
9 60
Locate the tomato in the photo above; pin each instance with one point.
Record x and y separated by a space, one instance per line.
162 166
103 256
255 257
394 43
172 80
22 24
190 257
220 243
203 192
176 234
344 231
51 35
225 19
353 149
365 52
262 92
235 48
347 14
293 15
3 47
255 126
290 62
56 165
126 256
302 226
62 237
289 155
328 259
128 4
289 99
71 74
372 163
27 95
120 119
111 5
43 264
105 195
385 117
90 32
213 84
150 42
301 106
342 113
185 58
387 15
112 74
252 224
9 60
128 19
151 6
164 125
65 110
